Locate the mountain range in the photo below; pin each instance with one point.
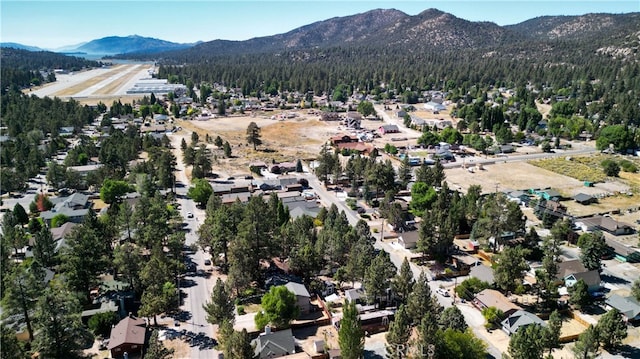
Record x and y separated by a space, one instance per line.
431 29
111 45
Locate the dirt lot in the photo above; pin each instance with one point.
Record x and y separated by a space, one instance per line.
522 176
283 140
514 175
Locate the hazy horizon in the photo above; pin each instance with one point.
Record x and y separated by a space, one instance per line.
69 23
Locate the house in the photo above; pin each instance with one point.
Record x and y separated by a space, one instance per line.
434 106
272 344
492 298
353 120
408 240
61 233
549 194
337 139
329 116
520 319
483 272
128 336
384 129
355 295
400 113
628 306
519 196
86 169
591 279
606 224
66 131
571 271
584 199
302 296
566 268
362 148
74 207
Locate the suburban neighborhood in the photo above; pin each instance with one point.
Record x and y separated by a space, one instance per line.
153 210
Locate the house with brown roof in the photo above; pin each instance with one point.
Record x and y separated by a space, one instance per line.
360 147
570 272
492 298
606 224
128 336
335 140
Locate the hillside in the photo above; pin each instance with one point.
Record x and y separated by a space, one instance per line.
431 30
130 44
15 45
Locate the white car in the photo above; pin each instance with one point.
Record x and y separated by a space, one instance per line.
443 292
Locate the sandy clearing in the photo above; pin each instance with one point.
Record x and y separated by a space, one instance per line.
514 175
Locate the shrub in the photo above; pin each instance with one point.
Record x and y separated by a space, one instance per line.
470 287
610 168
240 309
628 166
100 324
375 230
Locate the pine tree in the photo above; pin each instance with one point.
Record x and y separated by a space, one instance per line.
22 289
44 249
227 149
588 344
611 329
220 307
378 276
253 135
452 318
218 142
398 334
527 342
421 301
403 282
57 322
156 349
236 345
350 334
551 335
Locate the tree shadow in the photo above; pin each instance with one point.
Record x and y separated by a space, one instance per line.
613 279
626 351
183 316
187 283
369 354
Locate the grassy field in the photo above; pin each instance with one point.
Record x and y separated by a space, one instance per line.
580 168
587 168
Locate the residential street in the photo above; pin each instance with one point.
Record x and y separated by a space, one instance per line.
397 254
196 289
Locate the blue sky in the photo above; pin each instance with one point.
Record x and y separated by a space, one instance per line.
53 24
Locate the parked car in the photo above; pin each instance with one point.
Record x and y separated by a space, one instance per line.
189 215
443 292
207 262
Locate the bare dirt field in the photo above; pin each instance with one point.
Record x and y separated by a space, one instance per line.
286 140
523 176
513 176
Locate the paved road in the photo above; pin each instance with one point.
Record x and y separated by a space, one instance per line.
196 289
